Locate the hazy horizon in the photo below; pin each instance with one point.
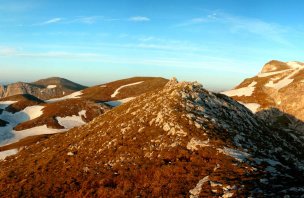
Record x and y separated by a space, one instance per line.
98 83
216 43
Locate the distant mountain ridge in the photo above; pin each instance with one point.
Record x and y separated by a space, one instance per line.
43 89
126 88
27 115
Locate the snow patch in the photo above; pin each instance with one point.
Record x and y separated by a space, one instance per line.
83 113
261 75
282 83
29 113
72 121
4 154
117 90
51 86
39 130
4 104
253 107
76 94
295 65
33 111
244 91
116 103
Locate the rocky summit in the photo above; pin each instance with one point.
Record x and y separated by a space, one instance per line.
177 141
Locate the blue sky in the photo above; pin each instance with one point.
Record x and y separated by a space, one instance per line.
215 42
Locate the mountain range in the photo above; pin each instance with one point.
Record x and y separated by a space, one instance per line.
153 137
27 116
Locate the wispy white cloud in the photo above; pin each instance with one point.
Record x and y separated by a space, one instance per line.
54 20
87 20
238 24
7 51
51 21
146 38
270 31
60 54
199 20
11 51
139 19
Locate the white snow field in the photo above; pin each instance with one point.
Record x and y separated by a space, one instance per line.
7 134
244 91
253 107
51 86
282 83
72 121
116 103
4 154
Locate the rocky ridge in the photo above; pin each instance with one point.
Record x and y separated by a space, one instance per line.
60 114
181 140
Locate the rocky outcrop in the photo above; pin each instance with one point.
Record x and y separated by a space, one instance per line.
43 89
20 88
3 123
2 91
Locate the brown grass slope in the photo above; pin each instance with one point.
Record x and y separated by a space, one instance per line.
64 108
104 92
162 144
60 82
22 101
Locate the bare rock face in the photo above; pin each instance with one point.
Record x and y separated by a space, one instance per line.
2 91
42 89
19 88
3 123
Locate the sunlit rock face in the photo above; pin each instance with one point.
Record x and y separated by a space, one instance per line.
279 86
